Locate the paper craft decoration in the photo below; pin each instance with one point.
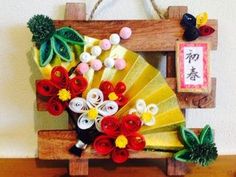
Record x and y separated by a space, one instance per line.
122 104
193 67
119 136
195 27
54 47
199 149
60 89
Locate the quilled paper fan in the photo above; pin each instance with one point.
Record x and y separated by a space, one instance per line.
121 102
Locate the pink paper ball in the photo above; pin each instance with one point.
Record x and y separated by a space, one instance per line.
96 64
125 33
120 64
82 68
105 44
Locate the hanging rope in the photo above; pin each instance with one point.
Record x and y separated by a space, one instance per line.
153 3
157 10
94 9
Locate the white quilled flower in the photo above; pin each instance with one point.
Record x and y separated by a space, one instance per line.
145 112
93 109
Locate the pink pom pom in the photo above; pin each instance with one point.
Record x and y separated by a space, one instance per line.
120 64
105 44
96 64
125 33
82 68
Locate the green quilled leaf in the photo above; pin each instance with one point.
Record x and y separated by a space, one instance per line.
46 53
70 35
189 137
183 156
206 135
61 48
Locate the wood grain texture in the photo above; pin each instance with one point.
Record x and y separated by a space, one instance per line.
174 12
75 11
54 145
170 64
186 100
78 167
195 100
223 167
176 168
148 35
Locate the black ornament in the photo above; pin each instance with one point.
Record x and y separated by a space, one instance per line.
190 34
188 21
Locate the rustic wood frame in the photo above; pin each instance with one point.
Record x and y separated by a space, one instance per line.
54 144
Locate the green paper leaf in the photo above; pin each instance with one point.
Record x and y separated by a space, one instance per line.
183 156
189 137
61 48
206 135
70 35
46 53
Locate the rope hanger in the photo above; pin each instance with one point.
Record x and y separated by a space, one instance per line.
154 6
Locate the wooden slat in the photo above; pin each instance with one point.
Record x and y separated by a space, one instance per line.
186 100
148 35
224 166
177 12
176 168
170 64
75 11
195 100
78 167
174 12
54 145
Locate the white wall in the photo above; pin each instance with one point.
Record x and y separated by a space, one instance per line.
19 121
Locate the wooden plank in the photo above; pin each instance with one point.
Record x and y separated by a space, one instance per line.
148 35
25 167
176 168
78 167
75 11
54 145
170 64
186 100
194 100
177 12
174 12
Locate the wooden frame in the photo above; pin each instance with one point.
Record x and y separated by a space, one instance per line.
163 34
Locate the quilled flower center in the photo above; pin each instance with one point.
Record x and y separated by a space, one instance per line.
121 141
112 96
64 95
92 113
146 117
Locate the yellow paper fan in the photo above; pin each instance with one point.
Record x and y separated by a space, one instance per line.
143 81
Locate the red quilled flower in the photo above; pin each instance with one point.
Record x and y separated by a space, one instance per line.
119 137
114 93
60 89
